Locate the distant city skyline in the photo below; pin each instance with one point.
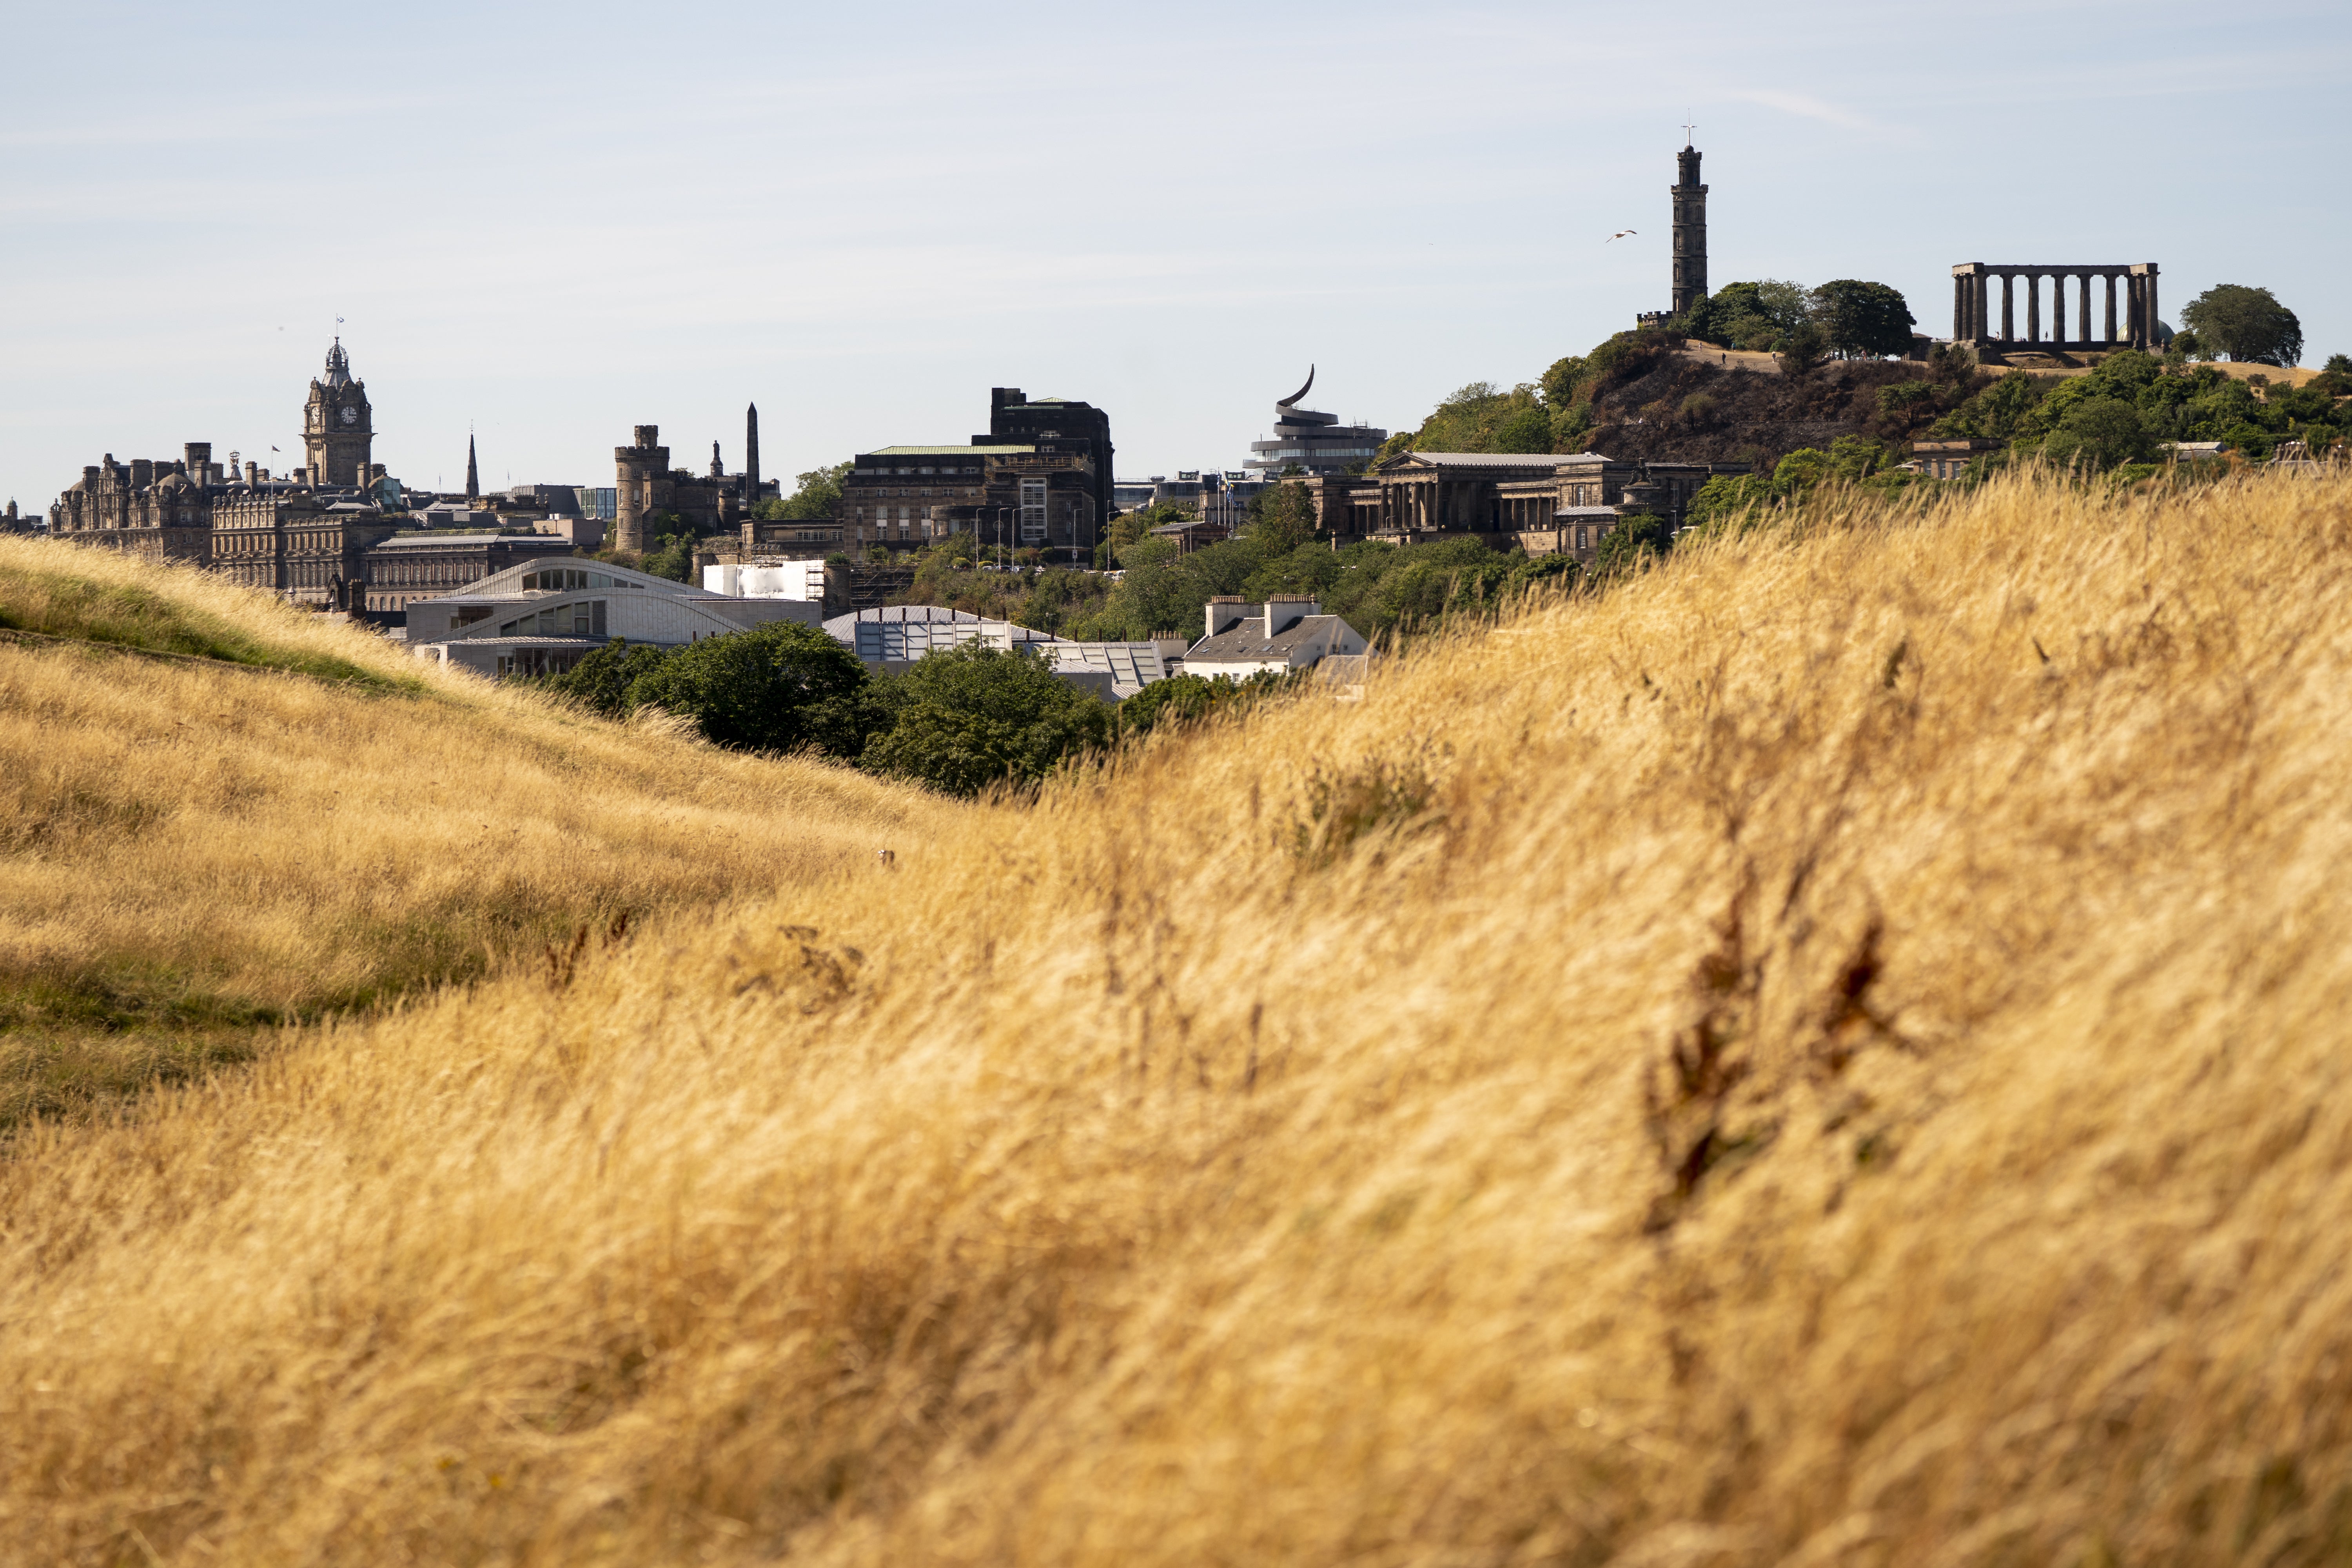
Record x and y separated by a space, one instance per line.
549 223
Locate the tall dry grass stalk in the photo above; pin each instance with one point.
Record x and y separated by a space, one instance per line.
1832 1053
194 849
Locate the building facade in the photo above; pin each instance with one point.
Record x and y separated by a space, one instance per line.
646 489
1541 503
1016 497
1056 425
543 618
405 567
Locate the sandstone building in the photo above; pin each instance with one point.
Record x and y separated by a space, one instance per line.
319 536
647 489
1543 503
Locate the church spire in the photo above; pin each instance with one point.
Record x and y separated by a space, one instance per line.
472 474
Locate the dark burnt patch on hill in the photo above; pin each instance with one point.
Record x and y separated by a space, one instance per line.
1686 407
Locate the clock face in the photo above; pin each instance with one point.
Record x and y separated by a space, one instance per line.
351 416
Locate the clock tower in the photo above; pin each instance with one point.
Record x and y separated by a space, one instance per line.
338 428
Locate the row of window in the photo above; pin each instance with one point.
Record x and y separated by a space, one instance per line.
973 491
584 619
568 579
950 469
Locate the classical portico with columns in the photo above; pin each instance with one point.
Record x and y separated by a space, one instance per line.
2134 325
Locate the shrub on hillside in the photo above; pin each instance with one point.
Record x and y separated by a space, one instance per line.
776 688
965 718
2100 433
1634 542
1186 698
602 681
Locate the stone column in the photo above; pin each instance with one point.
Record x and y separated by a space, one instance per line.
2154 316
2009 307
1959 307
2083 282
1981 309
2033 309
2111 309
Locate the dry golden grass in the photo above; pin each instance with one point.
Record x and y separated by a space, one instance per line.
1834 1053
193 851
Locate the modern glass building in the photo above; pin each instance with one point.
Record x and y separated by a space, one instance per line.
1313 443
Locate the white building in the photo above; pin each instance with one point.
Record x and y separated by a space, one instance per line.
767 580
1275 637
542 620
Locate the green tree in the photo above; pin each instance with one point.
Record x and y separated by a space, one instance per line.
1802 347
1560 382
1633 542
1863 321
2248 324
1179 699
1750 314
819 492
1569 426
1802 469
1526 429
1999 412
2099 433
672 557
775 688
601 681
969 716
1283 518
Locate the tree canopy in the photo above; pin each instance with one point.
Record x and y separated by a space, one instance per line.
2247 324
775 688
819 492
1863 321
971 716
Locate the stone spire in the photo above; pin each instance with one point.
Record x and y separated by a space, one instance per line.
751 454
339 365
472 474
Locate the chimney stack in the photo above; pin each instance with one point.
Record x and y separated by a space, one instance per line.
1227 610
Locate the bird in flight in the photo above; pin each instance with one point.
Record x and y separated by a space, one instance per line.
1619 235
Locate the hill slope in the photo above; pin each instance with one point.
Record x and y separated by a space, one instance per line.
1833 1052
278 818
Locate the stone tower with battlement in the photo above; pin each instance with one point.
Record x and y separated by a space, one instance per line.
337 425
1690 233
644 487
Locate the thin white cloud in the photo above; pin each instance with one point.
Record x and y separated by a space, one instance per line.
1805 106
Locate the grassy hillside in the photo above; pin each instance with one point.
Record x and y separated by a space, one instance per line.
261 818
1835 1052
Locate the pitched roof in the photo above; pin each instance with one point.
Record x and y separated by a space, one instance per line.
947 451
1250 642
1498 459
844 627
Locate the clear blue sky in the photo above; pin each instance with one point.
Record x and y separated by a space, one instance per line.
555 222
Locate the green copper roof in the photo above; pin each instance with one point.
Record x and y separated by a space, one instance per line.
944 451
